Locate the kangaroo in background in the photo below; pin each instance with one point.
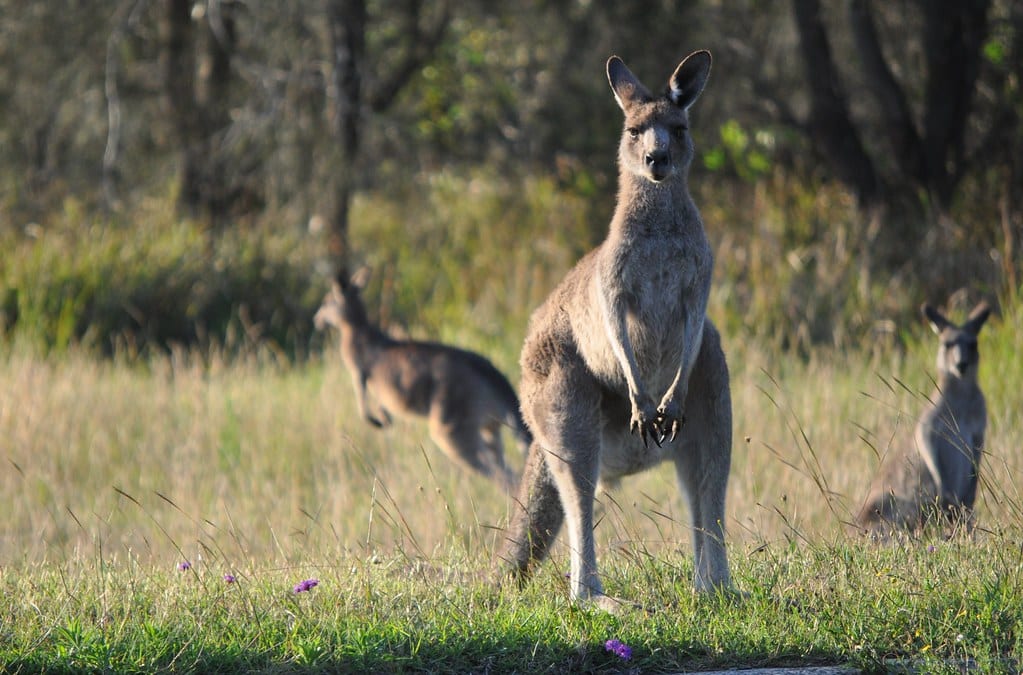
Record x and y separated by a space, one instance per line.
626 325
463 396
937 477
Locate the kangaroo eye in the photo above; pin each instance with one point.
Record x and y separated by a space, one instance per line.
633 132
680 131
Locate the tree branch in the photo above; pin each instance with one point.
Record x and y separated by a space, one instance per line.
422 43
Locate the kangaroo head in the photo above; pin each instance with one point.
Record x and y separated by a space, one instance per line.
342 305
957 347
656 144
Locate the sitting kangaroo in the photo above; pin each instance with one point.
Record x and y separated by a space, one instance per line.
937 477
628 324
465 398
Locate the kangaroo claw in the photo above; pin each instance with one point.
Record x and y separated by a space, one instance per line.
676 426
656 433
638 426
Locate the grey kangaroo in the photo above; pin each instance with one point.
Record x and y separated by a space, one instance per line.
463 396
621 369
936 478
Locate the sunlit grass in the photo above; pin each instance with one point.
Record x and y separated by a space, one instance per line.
118 470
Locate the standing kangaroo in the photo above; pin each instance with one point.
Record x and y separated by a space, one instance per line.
463 396
938 476
628 324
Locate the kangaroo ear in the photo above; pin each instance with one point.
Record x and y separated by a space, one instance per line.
627 89
361 277
937 319
340 281
689 79
977 317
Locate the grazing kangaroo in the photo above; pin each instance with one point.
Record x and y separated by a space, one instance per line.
628 324
463 396
937 477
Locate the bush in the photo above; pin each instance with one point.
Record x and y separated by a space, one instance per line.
465 258
156 283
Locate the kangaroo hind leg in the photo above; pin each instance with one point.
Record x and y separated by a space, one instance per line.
536 519
703 460
564 410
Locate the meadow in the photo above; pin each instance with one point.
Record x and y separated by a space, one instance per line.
160 513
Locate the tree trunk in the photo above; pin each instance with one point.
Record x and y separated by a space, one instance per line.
198 101
347 20
954 35
830 125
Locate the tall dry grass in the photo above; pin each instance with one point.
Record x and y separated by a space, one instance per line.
255 461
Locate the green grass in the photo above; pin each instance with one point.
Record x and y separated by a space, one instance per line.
119 469
814 604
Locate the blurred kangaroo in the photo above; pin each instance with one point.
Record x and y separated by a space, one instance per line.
463 396
937 477
626 325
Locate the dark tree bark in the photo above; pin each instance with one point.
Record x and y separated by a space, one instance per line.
954 35
900 130
830 125
347 19
931 155
198 104
906 166
348 23
177 65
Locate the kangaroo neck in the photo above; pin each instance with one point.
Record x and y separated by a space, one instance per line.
951 386
645 207
362 342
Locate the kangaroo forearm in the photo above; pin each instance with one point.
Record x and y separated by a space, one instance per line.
679 386
616 330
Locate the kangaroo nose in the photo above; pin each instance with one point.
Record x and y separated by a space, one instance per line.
656 157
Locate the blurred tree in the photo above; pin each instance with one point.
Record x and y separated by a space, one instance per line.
933 119
197 44
50 58
415 34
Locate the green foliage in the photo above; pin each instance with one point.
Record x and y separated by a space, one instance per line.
156 283
741 155
465 257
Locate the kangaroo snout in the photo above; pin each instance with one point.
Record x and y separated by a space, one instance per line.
659 164
656 157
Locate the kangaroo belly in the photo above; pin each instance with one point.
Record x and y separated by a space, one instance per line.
622 453
403 385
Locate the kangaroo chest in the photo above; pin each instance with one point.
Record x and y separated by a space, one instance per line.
951 436
660 284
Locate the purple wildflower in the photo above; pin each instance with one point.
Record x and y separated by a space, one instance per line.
931 549
184 565
619 649
229 578
304 586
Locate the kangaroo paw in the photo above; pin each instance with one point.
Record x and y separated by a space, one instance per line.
645 424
